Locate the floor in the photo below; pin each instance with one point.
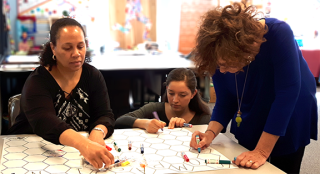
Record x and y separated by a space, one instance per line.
310 162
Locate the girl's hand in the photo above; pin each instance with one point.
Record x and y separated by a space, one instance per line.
176 122
152 126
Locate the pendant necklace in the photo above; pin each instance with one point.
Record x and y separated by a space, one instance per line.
238 118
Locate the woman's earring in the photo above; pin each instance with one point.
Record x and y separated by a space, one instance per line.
53 57
249 61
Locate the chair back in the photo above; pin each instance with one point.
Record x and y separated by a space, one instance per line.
13 108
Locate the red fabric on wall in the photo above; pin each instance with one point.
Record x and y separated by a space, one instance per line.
313 59
191 10
22 18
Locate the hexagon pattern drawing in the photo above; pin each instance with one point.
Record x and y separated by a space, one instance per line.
162 154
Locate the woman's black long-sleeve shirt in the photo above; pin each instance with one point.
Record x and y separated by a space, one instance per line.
46 111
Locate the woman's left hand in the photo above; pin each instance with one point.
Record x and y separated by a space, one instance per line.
176 122
251 159
97 137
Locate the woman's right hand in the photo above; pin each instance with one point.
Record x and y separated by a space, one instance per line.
96 154
152 126
205 140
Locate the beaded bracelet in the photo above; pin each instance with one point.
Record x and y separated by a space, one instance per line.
211 131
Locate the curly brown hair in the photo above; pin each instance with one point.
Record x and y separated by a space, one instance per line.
232 34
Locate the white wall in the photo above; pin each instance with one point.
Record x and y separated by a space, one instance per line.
302 16
98 31
168 22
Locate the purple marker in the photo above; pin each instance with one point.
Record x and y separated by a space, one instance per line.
155 114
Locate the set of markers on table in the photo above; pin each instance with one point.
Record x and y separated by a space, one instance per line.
212 161
207 161
124 161
143 163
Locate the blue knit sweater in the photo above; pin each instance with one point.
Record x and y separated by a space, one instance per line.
279 95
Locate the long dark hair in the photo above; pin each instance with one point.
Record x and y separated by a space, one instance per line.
183 74
46 54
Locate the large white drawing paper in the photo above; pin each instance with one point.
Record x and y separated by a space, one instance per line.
162 154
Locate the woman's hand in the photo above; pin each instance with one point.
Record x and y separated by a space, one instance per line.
176 122
256 158
251 159
96 154
96 136
205 139
152 126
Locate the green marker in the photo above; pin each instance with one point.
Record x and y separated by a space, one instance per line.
116 147
216 161
198 140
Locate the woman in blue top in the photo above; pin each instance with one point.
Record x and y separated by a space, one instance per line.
262 83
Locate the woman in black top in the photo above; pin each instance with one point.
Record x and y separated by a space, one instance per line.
65 95
182 104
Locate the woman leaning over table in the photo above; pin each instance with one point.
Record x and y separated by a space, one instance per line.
65 95
262 83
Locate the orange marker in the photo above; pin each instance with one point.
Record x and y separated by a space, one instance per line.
143 165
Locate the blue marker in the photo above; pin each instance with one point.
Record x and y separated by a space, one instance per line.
187 125
198 140
142 148
117 163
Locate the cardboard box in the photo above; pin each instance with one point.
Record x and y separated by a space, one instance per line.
212 95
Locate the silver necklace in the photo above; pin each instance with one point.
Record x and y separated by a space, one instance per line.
238 118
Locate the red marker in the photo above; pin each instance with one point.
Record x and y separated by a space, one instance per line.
184 156
109 148
129 145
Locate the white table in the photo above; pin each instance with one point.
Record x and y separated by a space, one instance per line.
222 144
108 62
231 149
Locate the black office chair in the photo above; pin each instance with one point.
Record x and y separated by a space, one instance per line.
13 108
